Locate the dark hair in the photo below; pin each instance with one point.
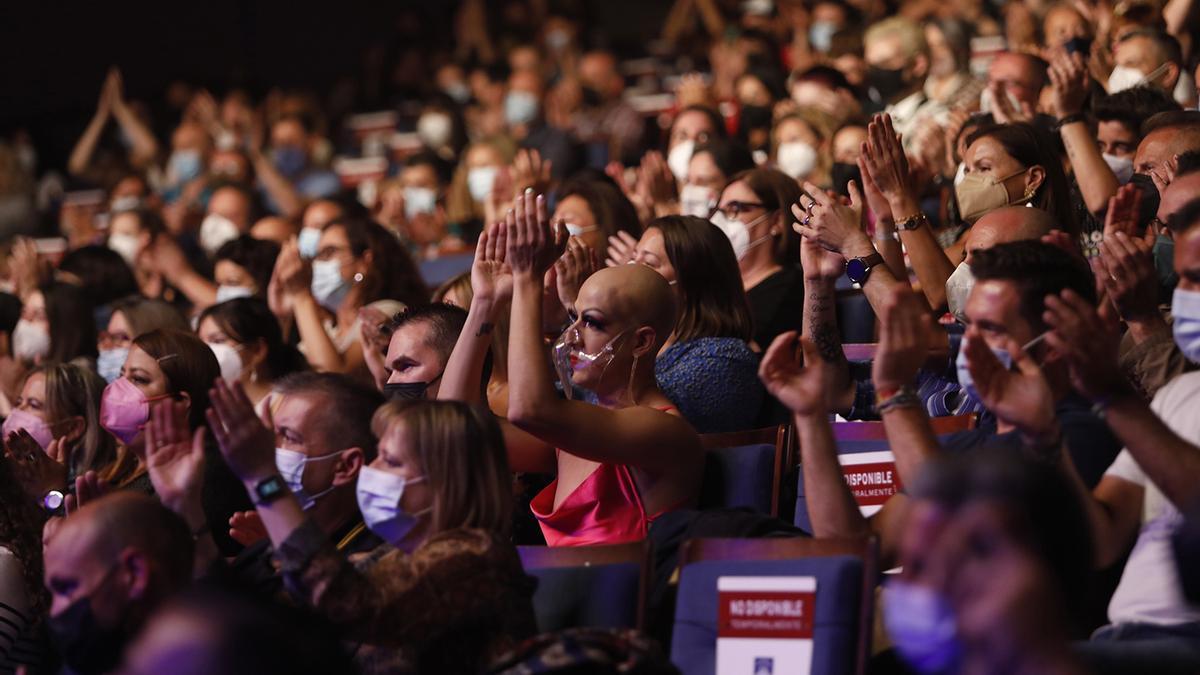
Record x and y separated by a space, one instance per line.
1186 217
75 391
72 323
1161 39
612 209
10 312
1133 106
256 256
21 522
1038 270
826 76
188 364
149 221
1173 119
249 320
392 275
714 118
957 33
146 314
102 272
443 169
714 302
777 191
446 321
346 415
730 156
1187 162
1030 146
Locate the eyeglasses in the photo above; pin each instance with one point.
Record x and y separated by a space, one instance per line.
734 209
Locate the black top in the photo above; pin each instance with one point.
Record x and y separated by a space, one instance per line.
777 305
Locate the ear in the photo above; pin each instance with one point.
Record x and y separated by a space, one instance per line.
348 466
368 260
256 354
184 398
135 568
1170 77
1035 178
644 340
920 66
75 427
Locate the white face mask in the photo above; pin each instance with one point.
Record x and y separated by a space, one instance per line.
328 286
308 242
225 293
1125 77
696 200
229 360
379 493
30 341
958 289
480 181
739 232
1122 167
796 159
126 245
578 230
291 468
419 200
959 174
987 104
679 157
110 362
435 129
1185 306
215 231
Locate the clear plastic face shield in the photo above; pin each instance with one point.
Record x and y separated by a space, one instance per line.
570 357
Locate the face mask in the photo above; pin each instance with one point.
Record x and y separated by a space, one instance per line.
290 160
884 84
922 626
124 410
987 104
678 159
796 159
308 241
1163 252
229 360
226 293
520 107
126 245
419 200
480 181
558 39
22 419
980 193
459 91
379 494
820 35
739 232
960 174
579 230
291 468
570 358
328 286
958 289
87 647
841 173
1122 167
127 203
109 364
1150 197
30 341
1185 306
1124 77
1006 360
407 391
215 231
435 129
185 165
695 200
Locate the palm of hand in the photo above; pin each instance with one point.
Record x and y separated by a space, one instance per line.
174 469
800 389
1024 401
826 264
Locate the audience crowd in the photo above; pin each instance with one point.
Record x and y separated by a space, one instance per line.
287 376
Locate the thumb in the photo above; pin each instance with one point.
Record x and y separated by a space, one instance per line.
1149 236
1021 358
198 441
856 198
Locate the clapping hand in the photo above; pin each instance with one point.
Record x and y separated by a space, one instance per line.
1089 348
1125 269
175 459
884 161
1070 81
1022 397
247 443
491 276
794 373
577 263
533 246
904 330
246 528
825 220
620 249
39 471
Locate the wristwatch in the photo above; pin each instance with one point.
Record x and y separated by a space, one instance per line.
53 502
912 222
269 489
858 269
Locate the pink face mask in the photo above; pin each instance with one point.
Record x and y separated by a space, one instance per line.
124 409
23 419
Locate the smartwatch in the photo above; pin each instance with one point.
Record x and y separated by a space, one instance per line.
53 502
269 489
858 269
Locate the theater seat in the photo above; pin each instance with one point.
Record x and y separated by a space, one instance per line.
845 573
588 586
744 469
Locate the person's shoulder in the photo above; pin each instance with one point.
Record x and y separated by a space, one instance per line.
1181 390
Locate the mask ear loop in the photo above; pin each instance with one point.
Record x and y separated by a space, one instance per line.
632 372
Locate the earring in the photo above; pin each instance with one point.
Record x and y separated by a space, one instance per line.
254 376
1029 193
358 277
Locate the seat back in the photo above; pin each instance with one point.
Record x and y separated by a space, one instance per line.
868 464
855 316
845 575
446 267
588 586
745 469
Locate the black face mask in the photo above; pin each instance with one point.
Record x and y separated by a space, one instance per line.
1148 210
407 391
85 646
884 84
591 97
841 173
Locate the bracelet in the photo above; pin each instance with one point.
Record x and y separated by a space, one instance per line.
912 222
904 397
1071 119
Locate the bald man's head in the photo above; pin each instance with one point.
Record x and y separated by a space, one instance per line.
634 295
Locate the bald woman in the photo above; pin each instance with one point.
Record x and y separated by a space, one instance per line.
618 464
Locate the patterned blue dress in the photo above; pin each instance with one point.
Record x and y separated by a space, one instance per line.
714 383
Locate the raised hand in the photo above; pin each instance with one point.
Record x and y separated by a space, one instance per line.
530 171
1123 209
904 330
620 249
794 373
877 203
1070 82
533 245
1164 173
656 183
1126 269
819 263
1008 111
577 263
1021 398
88 488
827 221
491 276
175 458
246 528
39 471
1089 347
279 293
247 443
885 160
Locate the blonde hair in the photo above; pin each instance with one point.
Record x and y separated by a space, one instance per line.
461 453
911 35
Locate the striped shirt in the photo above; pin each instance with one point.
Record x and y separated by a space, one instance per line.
19 643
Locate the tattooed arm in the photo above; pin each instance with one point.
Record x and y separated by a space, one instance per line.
821 271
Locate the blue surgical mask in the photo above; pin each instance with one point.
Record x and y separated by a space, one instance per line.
328 286
379 493
1002 355
1185 306
520 107
291 468
185 165
922 626
290 160
109 364
308 241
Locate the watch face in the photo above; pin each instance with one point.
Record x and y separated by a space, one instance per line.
269 488
53 500
856 270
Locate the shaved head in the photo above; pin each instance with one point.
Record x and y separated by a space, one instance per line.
632 294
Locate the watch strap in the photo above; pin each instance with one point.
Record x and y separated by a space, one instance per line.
269 489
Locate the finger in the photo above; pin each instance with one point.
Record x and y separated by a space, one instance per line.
70 504
218 432
516 237
812 192
627 238
500 236
856 197
198 443
485 247
781 352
